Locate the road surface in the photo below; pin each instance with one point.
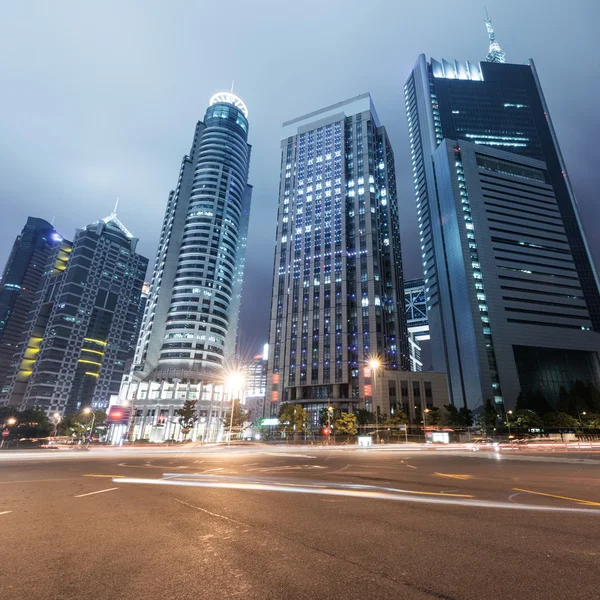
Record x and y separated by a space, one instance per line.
262 522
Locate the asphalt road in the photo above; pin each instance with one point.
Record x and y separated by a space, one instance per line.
265 522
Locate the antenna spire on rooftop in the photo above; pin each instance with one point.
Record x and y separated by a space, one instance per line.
495 54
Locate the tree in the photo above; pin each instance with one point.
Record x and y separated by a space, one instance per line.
520 403
187 416
592 420
32 423
293 419
524 418
560 420
346 424
380 416
365 417
451 416
434 416
240 416
399 418
489 416
466 416
78 424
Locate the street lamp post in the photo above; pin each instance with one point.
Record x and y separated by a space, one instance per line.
56 421
510 412
87 410
375 363
425 411
235 383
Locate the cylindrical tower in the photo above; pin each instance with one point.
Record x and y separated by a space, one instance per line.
202 317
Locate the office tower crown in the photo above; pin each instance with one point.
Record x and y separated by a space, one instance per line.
495 54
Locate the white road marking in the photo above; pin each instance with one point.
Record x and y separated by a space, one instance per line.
5 512
250 464
211 470
98 492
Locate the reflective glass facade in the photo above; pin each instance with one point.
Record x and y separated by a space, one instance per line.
499 230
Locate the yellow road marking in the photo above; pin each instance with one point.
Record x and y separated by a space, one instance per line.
578 500
95 475
455 476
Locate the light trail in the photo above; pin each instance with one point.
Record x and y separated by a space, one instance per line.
361 492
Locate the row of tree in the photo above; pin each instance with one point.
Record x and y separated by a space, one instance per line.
34 423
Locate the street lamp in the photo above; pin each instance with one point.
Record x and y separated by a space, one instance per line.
56 419
235 382
510 412
425 423
375 364
87 410
11 421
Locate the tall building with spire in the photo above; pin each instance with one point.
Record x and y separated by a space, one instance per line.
84 322
188 338
511 289
19 283
495 54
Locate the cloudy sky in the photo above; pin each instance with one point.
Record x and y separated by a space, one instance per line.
100 99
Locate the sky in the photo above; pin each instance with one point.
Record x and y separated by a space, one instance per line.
100 100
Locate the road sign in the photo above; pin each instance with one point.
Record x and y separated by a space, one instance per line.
5 432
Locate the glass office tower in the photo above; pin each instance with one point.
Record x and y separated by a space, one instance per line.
337 288
84 322
19 283
512 292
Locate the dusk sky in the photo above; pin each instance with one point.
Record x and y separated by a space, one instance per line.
100 100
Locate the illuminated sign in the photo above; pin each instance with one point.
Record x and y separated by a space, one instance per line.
118 415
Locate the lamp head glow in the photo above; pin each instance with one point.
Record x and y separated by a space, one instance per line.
374 363
229 98
235 380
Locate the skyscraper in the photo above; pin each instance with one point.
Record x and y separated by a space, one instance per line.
337 289
83 324
512 292
188 337
19 283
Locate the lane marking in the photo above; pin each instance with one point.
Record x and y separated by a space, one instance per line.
411 467
97 475
577 500
98 492
5 512
455 476
211 470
